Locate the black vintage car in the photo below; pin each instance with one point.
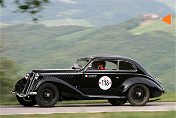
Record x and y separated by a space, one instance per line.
114 78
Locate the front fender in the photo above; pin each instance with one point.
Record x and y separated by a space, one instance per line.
58 83
140 80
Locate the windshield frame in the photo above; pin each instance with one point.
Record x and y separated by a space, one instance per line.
82 59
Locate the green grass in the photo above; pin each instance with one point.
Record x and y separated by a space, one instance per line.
163 114
155 26
60 22
77 35
168 97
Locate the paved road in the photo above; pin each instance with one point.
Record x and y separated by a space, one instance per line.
89 108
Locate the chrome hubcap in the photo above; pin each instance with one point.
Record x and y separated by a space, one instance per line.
139 94
47 94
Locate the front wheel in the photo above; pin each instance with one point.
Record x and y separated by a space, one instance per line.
117 102
28 101
47 95
138 95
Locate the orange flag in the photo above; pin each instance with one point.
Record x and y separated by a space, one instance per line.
167 19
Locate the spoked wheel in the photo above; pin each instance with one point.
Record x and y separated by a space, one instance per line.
47 95
117 102
28 101
138 95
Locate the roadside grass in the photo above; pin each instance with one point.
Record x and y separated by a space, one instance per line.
167 97
158 114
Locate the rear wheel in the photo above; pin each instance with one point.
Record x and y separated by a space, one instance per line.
47 95
117 102
138 95
28 101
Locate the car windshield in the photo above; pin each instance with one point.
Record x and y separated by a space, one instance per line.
80 63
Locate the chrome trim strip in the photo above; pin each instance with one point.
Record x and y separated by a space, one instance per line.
98 73
51 69
60 73
99 96
32 93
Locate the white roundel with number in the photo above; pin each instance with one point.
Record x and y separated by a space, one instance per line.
105 83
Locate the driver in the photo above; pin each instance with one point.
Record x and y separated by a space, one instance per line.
94 65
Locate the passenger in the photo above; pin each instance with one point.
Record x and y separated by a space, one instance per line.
101 65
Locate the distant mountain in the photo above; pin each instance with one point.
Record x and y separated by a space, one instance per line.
90 12
38 46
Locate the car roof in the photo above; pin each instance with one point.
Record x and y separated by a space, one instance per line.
109 57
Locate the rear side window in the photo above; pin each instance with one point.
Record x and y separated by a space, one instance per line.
111 65
124 65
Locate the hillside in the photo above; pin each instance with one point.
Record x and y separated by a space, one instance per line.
89 12
156 25
38 46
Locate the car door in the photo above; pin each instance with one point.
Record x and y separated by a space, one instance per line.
101 82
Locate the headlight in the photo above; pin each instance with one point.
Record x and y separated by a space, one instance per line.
27 75
36 76
13 89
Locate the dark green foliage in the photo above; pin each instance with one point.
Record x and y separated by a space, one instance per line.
8 76
30 7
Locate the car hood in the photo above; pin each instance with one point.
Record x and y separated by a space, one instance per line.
55 70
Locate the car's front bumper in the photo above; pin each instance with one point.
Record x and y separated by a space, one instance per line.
23 95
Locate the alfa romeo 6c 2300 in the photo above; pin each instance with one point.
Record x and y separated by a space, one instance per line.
115 78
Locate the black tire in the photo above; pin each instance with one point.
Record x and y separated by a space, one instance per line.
28 101
138 95
117 102
47 95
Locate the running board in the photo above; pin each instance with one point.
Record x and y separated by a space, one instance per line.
100 96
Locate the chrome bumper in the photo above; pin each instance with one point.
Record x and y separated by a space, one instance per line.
23 95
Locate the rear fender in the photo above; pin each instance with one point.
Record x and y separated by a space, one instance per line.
138 80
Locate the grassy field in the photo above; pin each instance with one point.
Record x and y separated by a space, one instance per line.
168 97
155 26
61 22
163 114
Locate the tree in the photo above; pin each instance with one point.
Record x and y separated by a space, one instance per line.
31 7
8 74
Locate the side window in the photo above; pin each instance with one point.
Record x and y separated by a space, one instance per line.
103 65
124 65
111 65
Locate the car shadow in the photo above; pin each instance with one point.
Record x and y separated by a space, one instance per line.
88 105
85 105
103 105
